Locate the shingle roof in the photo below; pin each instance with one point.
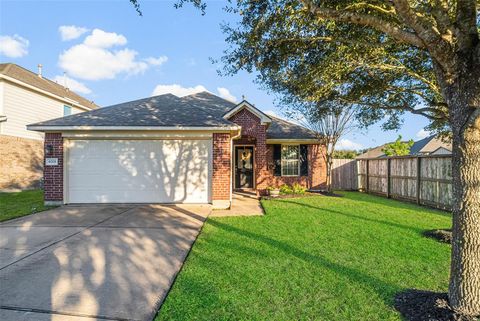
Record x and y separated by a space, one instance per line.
282 129
199 110
429 145
32 79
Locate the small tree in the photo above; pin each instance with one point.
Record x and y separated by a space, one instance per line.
345 154
398 148
330 125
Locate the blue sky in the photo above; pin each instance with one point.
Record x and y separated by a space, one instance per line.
111 55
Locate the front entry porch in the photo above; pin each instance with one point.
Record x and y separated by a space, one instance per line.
243 204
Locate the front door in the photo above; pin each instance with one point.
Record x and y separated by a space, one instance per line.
243 167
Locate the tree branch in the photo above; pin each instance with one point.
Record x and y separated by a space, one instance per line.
365 20
440 49
466 24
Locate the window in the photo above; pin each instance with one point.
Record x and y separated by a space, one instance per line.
67 110
290 160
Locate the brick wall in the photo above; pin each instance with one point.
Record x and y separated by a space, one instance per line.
221 167
316 178
53 175
21 163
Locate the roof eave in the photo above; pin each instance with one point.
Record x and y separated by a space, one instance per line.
44 128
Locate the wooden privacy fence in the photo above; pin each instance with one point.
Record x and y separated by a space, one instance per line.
426 180
344 174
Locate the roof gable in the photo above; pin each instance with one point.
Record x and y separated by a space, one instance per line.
264 119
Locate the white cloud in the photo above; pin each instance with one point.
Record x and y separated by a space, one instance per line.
181 91
71 32
72 84
95 60
225 94
177 90
102 39
13 46
423 134
156 61
348 145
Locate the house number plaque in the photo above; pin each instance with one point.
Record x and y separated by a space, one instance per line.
51 161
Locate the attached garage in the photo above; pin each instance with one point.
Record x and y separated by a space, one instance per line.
138 171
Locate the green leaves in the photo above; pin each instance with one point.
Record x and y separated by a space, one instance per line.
307 60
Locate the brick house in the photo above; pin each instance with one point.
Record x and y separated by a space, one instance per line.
27 97
167 149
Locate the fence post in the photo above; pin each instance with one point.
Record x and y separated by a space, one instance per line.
419 174
366 183
388 177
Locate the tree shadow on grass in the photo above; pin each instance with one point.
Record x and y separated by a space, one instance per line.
381 287
359 217
360 197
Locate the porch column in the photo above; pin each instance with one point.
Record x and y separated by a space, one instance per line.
221 176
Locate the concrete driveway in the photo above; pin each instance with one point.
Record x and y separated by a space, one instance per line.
94 262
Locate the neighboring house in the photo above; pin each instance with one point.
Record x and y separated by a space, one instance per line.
427 146
431 146
27 97
166 149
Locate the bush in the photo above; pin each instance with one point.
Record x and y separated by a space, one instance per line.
285 189
298 189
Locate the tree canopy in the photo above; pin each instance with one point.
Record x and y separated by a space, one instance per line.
307 59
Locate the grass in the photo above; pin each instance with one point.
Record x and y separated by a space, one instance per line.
18 204
315 258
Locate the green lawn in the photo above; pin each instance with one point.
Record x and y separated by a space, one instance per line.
313 258
22 203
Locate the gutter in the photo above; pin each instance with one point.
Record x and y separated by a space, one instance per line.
43 128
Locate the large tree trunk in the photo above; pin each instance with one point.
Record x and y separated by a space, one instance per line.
463 96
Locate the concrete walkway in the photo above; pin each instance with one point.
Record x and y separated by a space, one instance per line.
79 263
243 204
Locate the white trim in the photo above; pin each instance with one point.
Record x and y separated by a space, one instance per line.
41 128
286 160
264 119
64 99
292 141
136 135
66 145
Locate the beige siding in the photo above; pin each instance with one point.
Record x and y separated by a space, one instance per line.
23 107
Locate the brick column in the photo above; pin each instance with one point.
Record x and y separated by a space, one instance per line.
317 170
221 183
53 175
261 169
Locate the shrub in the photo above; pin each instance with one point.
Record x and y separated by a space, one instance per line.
285 189
298 189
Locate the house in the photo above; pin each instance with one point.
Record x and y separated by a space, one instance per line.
27 97
427 146
431 145
166 149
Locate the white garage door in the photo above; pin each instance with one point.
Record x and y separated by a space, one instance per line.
138 171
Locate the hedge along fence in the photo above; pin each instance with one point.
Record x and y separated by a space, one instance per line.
426 180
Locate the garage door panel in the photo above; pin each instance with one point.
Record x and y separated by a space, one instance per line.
163 171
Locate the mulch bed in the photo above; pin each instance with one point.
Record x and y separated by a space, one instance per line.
331 194
444 236
417 305
282 196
